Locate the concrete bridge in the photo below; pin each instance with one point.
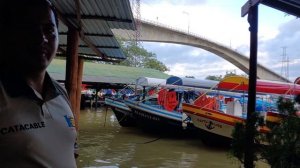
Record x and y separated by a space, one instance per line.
154 32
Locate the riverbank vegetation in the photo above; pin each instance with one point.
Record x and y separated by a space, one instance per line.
138 56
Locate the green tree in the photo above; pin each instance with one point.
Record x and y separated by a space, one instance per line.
137 56
284 139
281 147
239 140
220 77
155 64
230 73
214 77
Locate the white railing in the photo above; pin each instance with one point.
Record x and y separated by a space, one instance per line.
180 30
159 24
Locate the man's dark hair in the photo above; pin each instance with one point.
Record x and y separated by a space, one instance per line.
10 9
12 12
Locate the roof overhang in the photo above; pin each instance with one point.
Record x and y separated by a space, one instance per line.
289 6
94 20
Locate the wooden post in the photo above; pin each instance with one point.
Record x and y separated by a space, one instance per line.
96 97
72 68
78 94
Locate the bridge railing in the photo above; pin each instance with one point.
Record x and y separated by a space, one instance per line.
159 24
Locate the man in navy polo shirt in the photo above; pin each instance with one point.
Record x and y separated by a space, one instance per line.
36 122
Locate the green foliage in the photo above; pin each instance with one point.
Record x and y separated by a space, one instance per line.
220 77
280 147
238 144
137 56
286 106
284 139
155 64
229 73
214 77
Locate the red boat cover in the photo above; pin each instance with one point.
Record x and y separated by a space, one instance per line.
238 83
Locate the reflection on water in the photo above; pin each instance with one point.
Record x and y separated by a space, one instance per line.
103 143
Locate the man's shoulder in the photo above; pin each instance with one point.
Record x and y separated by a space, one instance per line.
60 89
58 85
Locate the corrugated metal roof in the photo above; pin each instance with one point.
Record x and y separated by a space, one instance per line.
98 17
111 9
289 6
113 53
104 41
63 40
96 27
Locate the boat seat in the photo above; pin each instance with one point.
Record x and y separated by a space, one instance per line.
234 108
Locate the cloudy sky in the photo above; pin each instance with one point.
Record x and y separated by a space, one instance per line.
221 21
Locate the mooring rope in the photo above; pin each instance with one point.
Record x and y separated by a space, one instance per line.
153 140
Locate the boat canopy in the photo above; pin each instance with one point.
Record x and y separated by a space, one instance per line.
240 83
147 81
191 82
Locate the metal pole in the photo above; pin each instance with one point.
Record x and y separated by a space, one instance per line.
250 124
188 15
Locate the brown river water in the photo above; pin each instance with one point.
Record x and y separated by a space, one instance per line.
104 143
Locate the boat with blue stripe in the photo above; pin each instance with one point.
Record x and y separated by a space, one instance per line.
162 111
122 112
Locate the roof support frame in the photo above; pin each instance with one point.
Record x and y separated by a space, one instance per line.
95 17
91 34
83 38
289 6
86 46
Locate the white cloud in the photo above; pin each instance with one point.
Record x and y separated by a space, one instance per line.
287 38
201 70
221 22
195 53
205 20
295 61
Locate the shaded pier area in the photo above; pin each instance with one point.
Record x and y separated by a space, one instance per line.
98 77
85 33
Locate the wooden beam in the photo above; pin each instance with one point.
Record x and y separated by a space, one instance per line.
72 68
78 15
246 7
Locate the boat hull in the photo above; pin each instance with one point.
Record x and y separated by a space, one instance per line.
155 119
216 127
122 112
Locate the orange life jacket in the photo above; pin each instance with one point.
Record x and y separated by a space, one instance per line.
171 101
